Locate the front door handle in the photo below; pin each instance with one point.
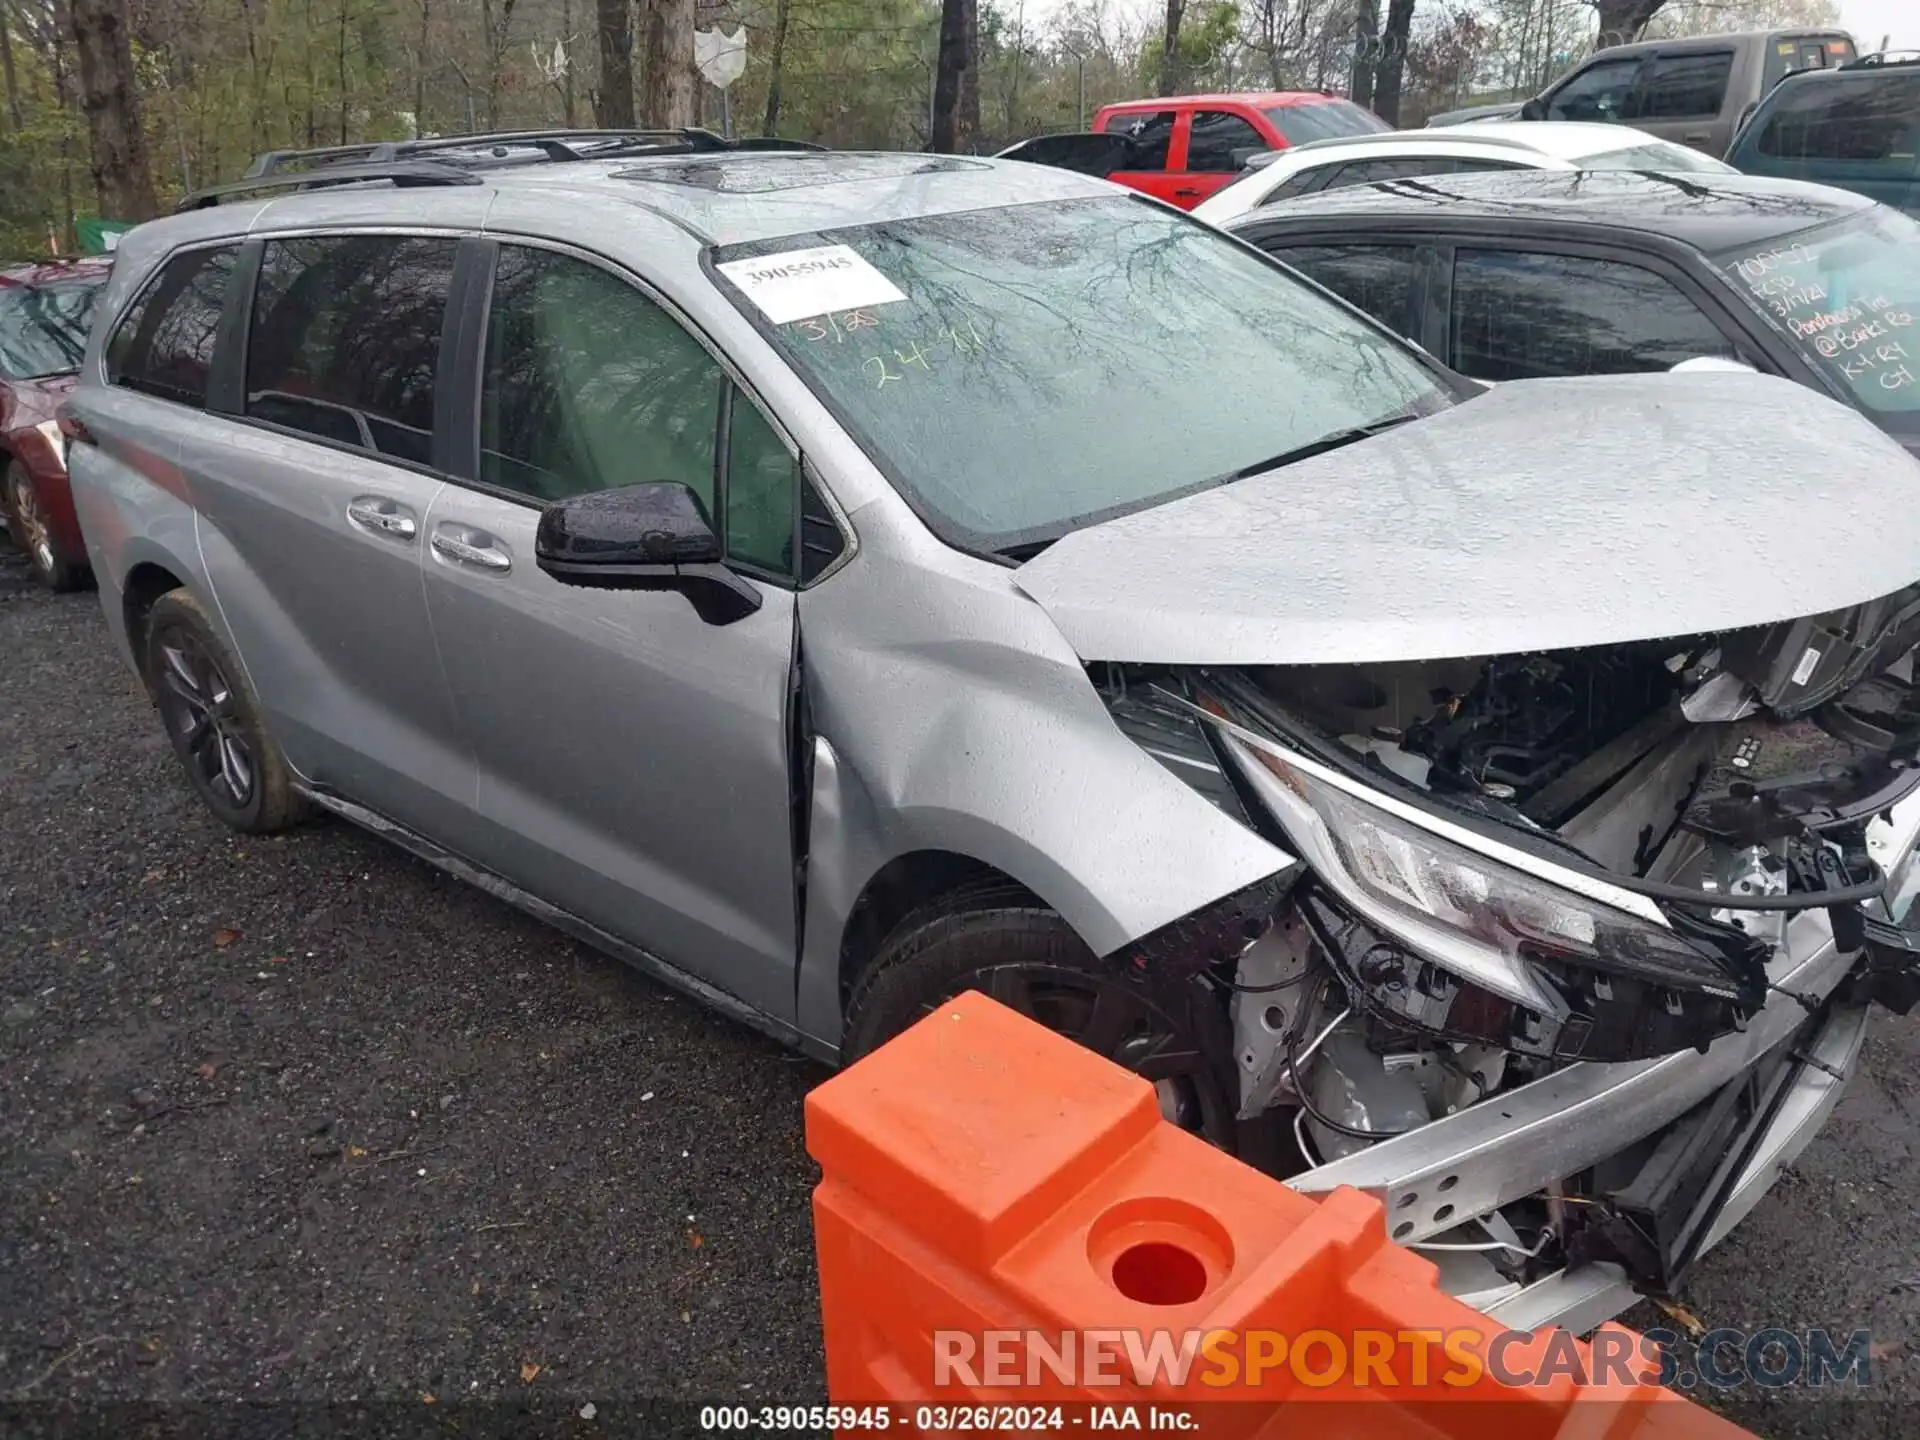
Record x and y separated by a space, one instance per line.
1697 137
466 546
381 516
1186 191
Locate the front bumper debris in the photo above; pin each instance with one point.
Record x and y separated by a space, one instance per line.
1518 1143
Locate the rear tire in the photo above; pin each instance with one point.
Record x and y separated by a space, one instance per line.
214 719
27 523
999 939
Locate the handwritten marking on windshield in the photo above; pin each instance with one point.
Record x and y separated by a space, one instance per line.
963 338
837 326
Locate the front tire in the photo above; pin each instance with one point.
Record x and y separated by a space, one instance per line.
28 524
997 938
214 720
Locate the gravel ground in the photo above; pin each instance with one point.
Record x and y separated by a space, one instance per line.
301 1119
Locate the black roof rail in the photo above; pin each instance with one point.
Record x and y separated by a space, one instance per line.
1882 58
400 172
498 147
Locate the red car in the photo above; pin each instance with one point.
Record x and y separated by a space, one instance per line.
1185 147
46 310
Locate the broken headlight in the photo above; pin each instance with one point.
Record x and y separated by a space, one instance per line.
1505 931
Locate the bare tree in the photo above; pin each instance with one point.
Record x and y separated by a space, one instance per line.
1366 47
776 64
666 46
121 172
956 78
1621 21
1391 68
613 102
6 63
497 25
1170 67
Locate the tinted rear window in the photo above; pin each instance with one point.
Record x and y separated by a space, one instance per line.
346 339
1852 117
1324 120
165 343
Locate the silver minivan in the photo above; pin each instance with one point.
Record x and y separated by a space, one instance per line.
835 581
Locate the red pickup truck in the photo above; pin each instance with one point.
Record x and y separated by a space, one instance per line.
1185 147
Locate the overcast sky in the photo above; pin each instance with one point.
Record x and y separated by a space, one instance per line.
1866 20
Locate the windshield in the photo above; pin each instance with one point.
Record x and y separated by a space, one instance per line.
1655 155
1024 371
43 330
1324 120
1848 293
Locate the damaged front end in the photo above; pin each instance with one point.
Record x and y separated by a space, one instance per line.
1580 946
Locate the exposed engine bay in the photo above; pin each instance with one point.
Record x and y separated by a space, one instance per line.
1517 863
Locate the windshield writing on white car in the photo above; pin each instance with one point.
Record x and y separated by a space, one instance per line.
1053 365
1848 293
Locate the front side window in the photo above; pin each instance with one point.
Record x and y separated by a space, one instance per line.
1519 316
43 328
1602 91
345 341
164 345
1375 278
1219 143
590 385
1151 132
1684 87
1023 371
1861 116
1849 294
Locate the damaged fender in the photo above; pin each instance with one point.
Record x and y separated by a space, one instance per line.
968 725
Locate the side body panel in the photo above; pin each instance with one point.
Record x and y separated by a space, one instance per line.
631 758
951 716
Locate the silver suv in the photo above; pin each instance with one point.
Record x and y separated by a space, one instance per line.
833 581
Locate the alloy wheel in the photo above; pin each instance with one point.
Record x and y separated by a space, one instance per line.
200 709
34 537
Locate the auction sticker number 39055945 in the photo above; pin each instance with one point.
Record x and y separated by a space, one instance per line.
798 284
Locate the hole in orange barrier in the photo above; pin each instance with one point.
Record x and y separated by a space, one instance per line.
1157 1250
1157 1273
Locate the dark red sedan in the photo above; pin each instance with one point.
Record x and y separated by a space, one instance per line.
45 311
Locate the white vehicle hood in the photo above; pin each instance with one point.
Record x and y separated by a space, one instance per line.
1544 514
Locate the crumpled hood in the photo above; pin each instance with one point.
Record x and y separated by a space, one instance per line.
1541 515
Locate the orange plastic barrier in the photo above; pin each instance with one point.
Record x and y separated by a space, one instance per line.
1005 1219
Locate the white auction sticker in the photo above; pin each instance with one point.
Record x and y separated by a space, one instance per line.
799 284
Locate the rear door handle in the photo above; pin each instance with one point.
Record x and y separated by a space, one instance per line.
381 516
1697 137
464 545
1186 190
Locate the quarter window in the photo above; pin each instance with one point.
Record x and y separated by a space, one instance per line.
164 345
1219 143
345 342
1151 132
1518 316
1680 87
1375 278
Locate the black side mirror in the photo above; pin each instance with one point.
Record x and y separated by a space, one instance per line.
643 537
1534 109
